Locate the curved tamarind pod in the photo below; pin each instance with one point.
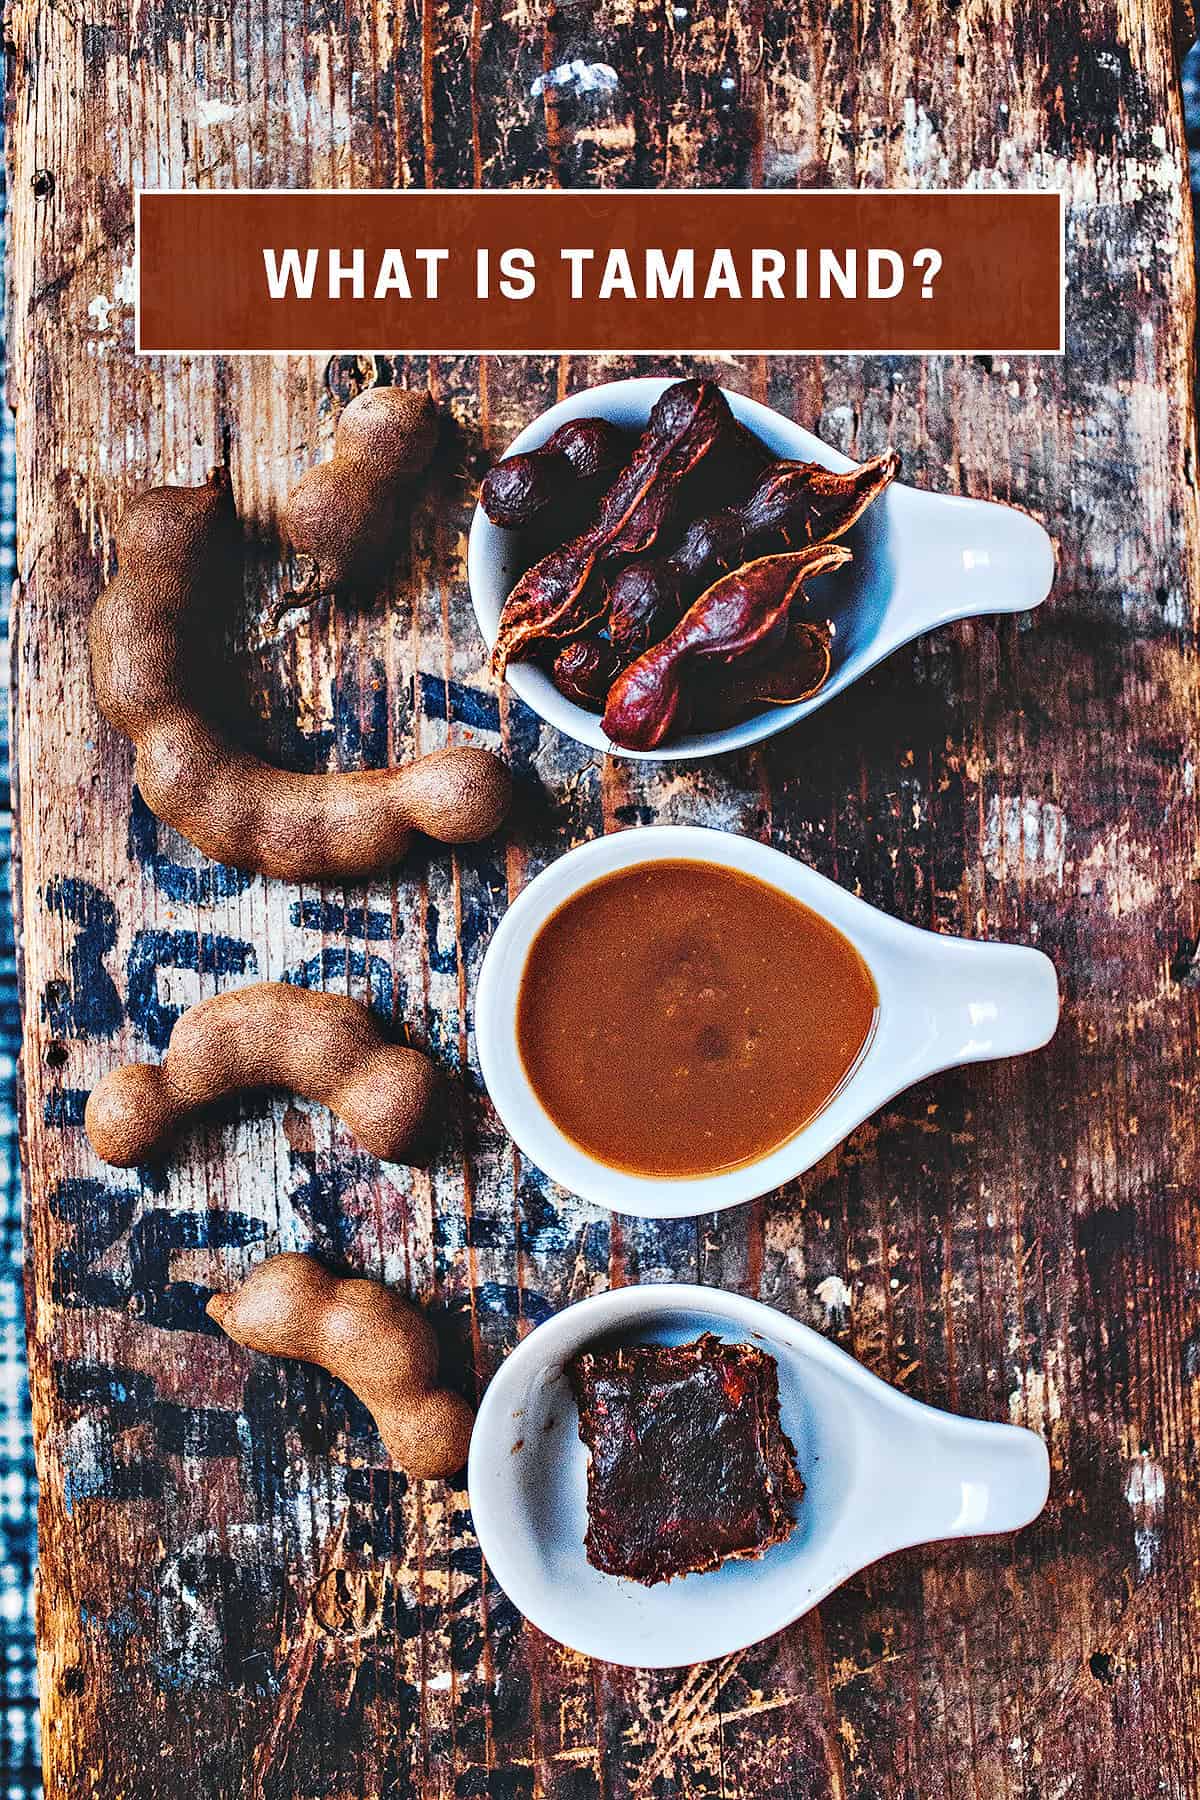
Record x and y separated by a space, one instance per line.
367 1336
324 1047
733 619
561 596
157 637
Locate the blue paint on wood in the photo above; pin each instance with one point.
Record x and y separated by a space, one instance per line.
87 1004
152 950
65 1106
338 966
439 698
178 881
333 919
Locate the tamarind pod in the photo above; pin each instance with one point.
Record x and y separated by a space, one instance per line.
325 1047
340 518
366 1335
795 503
811 504
157 636
562 595
568 472
393 429
731 620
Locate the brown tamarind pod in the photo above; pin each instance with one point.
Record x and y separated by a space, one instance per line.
340 518
563 594
568 473
366 1335
159 667
791 503
729 627
325 1047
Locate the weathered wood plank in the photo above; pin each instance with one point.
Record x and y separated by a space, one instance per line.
235 1595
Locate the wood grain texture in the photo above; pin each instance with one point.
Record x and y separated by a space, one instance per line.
236 1596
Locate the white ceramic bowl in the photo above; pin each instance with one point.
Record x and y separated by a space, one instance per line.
882 1472
920 560
942 1001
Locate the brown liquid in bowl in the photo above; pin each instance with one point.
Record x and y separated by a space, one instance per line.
681 1018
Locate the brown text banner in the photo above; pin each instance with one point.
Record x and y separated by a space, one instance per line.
688 270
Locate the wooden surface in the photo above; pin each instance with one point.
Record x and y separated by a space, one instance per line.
236 1597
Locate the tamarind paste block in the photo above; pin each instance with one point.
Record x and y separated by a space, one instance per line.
689 1464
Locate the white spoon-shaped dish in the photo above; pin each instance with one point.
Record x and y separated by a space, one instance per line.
942 1001
920 560
882 1472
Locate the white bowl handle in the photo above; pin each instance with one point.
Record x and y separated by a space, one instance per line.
963 558
979 1479
955 1478
985 1000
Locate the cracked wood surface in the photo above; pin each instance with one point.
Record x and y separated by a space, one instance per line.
236 1596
